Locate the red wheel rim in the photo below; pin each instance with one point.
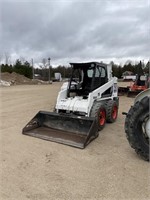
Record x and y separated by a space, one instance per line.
114 112
102 117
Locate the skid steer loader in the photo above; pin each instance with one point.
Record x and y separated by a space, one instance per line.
83 106
140 84
137 125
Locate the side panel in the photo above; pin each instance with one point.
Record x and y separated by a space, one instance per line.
61 95
97 94
76 104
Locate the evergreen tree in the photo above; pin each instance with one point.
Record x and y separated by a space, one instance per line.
138 69
23 69
147 68
6 68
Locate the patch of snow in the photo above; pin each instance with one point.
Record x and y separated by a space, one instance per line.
5 83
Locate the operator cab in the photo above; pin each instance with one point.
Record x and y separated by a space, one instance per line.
86 77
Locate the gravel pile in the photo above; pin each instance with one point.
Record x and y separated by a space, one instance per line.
17 79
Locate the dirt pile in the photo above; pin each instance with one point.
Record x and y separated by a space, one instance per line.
18 79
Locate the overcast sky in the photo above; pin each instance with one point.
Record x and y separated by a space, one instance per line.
75 30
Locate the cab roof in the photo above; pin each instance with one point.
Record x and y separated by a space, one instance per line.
87 64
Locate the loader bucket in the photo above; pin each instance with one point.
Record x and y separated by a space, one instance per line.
61 128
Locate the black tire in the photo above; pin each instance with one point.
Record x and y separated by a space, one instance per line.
111 111
99 112
135 127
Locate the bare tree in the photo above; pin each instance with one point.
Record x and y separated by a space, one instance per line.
7 58
22 59
44 62
44 66
1 57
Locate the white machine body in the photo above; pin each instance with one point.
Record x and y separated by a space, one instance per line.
81 105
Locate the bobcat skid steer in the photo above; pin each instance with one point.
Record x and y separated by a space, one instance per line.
83 106
140 84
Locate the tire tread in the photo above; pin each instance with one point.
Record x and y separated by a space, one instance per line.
130 124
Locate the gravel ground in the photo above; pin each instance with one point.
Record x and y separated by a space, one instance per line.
40 170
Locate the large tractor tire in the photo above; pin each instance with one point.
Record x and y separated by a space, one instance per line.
111 111
137 127
99 112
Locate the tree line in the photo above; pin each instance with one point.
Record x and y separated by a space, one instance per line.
138 68
19 67
44 71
